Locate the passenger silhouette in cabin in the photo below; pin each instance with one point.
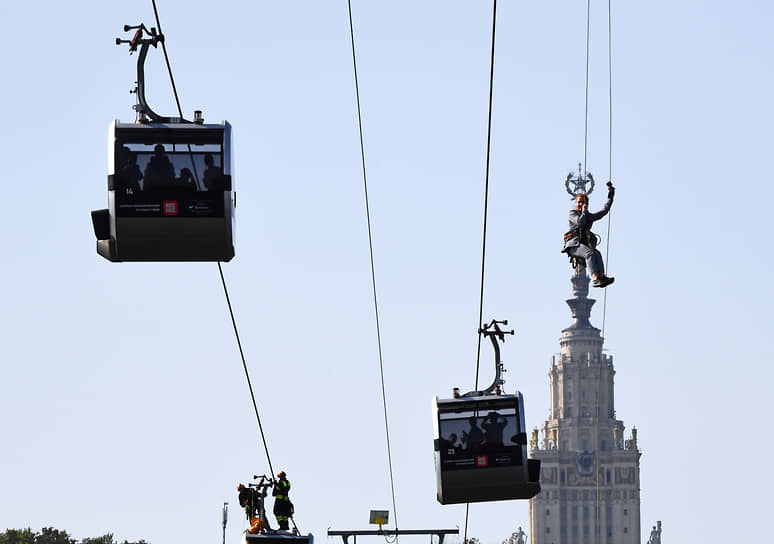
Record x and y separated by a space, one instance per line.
475 437
580 242
212 173
493 426
159 172
186 180
129 174
449 445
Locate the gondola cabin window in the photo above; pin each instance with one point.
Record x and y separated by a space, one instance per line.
480 439
160 166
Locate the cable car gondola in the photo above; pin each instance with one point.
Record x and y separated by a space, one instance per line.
169 183
481 442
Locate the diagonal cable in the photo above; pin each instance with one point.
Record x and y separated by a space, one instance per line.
371 253
220 269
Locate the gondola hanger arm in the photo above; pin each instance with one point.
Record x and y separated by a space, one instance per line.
493 331
145 112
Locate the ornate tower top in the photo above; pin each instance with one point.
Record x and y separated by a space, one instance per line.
581 338
581 304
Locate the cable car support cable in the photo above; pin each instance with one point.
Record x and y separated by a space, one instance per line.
371 253
220 269
486 205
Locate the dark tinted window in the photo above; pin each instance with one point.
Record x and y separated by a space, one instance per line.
479 439
159 166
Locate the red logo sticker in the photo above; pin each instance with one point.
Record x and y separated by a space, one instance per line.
169 207
482 461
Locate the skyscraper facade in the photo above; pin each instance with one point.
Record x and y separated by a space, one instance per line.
590 473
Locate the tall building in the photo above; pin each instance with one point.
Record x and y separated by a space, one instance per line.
590 474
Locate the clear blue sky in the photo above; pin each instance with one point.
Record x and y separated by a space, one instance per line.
123 406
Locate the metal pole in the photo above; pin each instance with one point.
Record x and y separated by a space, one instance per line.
225 520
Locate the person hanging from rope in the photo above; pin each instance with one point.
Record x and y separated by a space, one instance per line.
283 508
580 242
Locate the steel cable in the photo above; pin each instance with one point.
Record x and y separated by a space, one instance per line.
220 269
371 253
486 206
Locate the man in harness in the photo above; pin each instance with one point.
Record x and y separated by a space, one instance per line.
283 508
580 242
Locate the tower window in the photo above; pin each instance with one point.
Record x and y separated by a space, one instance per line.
626 529
608 476
548 512
626 512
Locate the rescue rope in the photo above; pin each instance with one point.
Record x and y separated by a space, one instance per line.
371 253
486 206
607 250
220 268
586 117
610 144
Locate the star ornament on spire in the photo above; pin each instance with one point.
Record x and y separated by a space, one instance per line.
577 184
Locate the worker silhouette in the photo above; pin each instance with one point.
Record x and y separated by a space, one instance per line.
212 173
283 508
493 426
580 242
473 438
159 172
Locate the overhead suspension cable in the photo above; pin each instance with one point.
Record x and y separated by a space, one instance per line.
166 59
486 206
220 269
371 253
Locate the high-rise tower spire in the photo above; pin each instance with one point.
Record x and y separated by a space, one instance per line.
590 474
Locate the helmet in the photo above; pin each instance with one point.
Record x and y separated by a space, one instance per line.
281 474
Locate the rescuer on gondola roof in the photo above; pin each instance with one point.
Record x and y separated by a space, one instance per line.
283 508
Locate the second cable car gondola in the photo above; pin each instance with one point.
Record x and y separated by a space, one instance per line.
481 442
170 185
